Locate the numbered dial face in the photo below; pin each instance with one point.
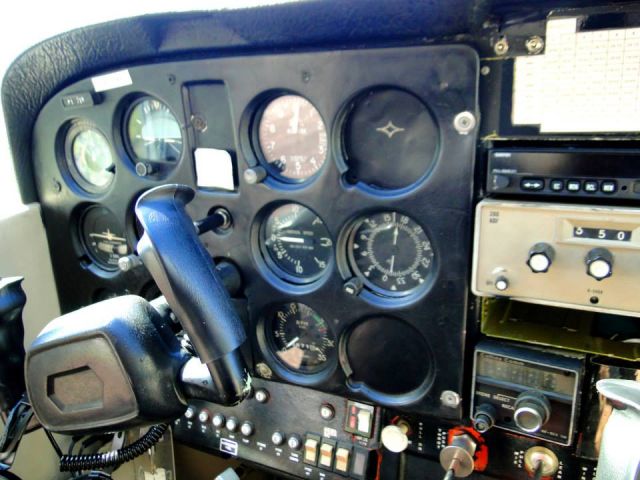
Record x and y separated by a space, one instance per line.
103 237
296 243
301 338
390 252
293 138
91 157
153 132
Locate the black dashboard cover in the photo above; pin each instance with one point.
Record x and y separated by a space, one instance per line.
46 68
106 367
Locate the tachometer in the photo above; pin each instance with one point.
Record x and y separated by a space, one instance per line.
292 138
301 338
390 252
153 132
296 243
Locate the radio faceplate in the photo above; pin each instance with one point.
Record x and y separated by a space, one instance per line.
587 173
526 390
564 255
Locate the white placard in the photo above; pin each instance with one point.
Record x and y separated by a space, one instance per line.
109 81
585 81
214 169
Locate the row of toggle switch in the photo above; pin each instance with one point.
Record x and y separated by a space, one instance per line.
326 454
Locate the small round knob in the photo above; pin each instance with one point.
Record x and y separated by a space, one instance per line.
532 411
203 416
254 175
502 283
327 412
277 438
190 413
218 420
144 169
484 417
261 395
394 438
541 257
599 263
246 429
353 286
294 442
129 262
232 424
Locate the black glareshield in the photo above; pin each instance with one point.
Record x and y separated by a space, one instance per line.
12 301
186 276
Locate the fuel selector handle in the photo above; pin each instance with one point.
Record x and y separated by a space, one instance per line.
186 276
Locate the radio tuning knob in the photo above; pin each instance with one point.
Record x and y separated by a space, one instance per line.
541 257
599 263
484 417
501 283
532 411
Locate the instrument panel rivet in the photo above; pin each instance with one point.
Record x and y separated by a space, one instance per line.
199 123
464 122
264 371
502 46
534 44
485 70
450 399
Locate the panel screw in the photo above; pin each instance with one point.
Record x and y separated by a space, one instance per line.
534 44
171 78
199 123
502 46
450 399
464 122
485 70
57 186
264 371
306 76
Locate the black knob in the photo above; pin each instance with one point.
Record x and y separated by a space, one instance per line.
278 438
294 442
599 263
232 424
484 417
532 411
541 257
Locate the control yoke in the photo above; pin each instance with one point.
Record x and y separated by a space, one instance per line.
186 276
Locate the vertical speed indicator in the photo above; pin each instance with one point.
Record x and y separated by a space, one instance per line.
390 252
